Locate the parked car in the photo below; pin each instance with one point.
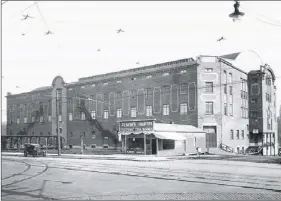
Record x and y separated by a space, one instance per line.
279 151
34 150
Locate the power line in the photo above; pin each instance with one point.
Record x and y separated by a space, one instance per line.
42 16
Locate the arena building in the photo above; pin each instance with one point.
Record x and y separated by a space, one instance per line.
208 92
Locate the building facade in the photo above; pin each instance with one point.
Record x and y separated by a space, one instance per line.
208 93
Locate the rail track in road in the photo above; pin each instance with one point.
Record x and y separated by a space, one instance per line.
186 175
22 173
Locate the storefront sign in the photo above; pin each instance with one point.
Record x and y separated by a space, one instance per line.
136 126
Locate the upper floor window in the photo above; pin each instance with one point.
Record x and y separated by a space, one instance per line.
60 118
183 108
133 112
166 110
50 118
237 134
41 119
166 90
105 114
148 110
93 114
119 113
25 120
230 78
118 95
209 108
242 134
183 88
32 119
149 92
209 87
18 120
133 94
83 117
208 70
70 117
231 135
224 76
231 90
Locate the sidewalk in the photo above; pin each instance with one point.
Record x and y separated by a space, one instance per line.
144 158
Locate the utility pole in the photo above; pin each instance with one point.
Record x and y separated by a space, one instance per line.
57 123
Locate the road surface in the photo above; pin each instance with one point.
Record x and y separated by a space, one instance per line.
59 179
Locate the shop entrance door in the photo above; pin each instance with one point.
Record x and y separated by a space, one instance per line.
154 148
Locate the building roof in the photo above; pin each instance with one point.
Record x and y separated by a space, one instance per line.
232 56
42 88
160 127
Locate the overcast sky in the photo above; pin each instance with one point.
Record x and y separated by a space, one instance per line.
154 32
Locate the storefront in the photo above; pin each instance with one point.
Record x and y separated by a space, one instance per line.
147 137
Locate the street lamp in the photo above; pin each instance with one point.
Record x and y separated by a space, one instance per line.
236 15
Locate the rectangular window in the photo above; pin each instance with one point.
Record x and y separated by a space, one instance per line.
25 120
41 119
133 112
242 135
105 114
183 71
149 111
32 119
183 88
50 118
225 88
83 116
225 108
149 92
70 117
18 120
119 96
166 110
60 119
230 77
230 90
209 108
119 113
237 135
224 76
231 109
209 87
183 109
133 94
231 135
208 70
93 114
166 90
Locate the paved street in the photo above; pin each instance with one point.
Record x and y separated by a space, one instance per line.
54 178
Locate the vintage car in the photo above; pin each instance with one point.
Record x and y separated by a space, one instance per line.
279 151
34 150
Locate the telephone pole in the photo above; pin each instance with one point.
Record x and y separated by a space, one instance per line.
57 123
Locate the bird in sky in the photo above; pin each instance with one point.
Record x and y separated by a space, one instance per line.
138 63
17 87
23 34
120 30
25 17
220 39
98 50
48 32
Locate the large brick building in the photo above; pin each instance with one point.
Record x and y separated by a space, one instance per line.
208 93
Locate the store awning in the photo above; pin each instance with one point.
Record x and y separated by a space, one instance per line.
169 135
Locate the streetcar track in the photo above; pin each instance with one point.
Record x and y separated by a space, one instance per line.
145 175
171 179
13 175
31 177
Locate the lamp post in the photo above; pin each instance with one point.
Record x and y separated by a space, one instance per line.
236 15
